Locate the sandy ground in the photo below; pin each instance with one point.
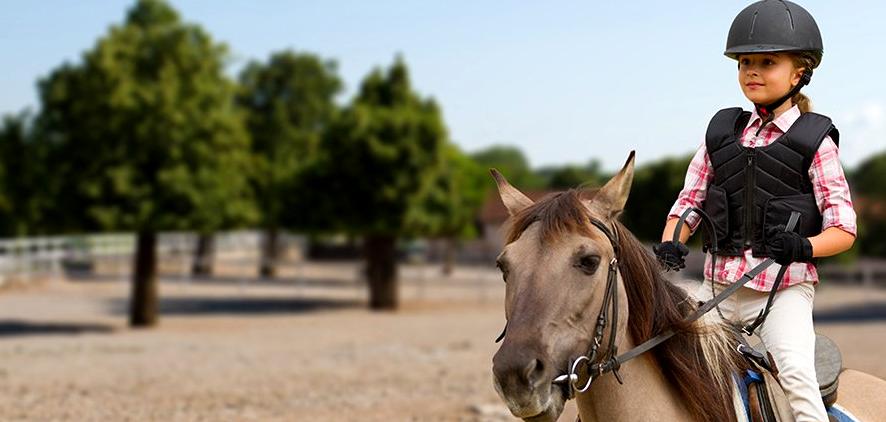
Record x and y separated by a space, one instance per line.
300 349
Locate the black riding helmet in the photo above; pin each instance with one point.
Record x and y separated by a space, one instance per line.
773 26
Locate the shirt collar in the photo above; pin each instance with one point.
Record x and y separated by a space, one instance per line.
782 122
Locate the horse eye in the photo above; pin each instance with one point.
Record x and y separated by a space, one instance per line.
588 264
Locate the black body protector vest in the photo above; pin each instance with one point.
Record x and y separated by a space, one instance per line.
754 189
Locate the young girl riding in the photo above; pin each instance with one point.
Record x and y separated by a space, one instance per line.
752 171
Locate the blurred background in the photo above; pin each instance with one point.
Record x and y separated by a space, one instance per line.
283 211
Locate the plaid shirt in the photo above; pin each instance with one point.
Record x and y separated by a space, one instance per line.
828 183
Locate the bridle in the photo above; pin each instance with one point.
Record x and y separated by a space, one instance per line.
609 361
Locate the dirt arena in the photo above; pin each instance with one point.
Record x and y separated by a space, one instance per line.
300 349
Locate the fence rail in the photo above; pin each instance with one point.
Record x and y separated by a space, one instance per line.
26 259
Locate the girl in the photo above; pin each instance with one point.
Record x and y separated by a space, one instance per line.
752 171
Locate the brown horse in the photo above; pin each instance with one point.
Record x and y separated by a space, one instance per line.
555 268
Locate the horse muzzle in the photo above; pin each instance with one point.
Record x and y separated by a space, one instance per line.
524 383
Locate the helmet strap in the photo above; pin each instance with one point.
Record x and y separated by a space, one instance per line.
767 112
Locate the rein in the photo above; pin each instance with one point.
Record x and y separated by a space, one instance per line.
609 362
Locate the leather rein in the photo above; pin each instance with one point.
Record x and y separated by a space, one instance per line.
609 361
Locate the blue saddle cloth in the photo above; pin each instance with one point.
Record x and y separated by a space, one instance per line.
840 414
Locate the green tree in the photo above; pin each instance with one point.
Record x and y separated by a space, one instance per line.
868 177
572 176
374 163
449 205
145 136
289 103
511 162
655 188
23 185
869 190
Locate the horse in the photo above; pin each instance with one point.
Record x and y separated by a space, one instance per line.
554 265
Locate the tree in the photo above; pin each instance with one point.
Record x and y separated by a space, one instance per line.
449 205
509 160
289 103
145 136
23 187
870 193
375 161
655 188
572 176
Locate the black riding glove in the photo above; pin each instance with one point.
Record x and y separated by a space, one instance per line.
671 254
787 247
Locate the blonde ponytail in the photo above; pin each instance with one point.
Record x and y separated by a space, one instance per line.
805 61
802 102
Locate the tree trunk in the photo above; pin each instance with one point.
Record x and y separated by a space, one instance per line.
449 250
381 272
143 307
204 255
270 253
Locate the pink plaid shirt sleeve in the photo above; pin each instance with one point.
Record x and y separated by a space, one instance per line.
831 189
698 176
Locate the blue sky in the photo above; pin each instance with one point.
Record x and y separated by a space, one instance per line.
567 82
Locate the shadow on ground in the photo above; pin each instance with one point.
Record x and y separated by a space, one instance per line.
202 306
12 328
226 280
865 312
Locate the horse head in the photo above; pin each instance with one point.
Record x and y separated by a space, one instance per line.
555 266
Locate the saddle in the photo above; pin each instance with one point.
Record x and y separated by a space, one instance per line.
765 399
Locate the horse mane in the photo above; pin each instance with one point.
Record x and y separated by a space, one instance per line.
699 360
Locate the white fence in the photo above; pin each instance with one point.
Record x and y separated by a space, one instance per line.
25 259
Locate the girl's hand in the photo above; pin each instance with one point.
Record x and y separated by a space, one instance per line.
671 254
787 247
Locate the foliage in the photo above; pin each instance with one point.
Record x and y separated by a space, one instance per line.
655 188
572 176
289 103
868 177
376 160
511 162
24 188
143 133
451 202
868 188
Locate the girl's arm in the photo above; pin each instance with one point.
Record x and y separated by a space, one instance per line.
668 233
698 176
834 201
831 242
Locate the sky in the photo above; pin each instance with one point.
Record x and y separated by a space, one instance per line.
566 82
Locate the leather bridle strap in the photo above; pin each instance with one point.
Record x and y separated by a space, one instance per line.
612 363
703 309
610 300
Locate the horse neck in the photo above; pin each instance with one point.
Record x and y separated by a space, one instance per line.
645 395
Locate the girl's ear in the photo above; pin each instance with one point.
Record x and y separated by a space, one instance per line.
798 74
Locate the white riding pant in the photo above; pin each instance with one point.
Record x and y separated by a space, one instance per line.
788 335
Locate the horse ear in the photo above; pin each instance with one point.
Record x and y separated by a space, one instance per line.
514 200
611 198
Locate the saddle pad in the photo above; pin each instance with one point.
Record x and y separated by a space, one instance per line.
841 415
782 407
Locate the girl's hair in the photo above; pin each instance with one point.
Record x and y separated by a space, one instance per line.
807 61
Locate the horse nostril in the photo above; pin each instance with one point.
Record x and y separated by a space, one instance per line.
533 371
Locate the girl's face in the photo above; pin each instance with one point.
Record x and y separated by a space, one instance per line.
766 77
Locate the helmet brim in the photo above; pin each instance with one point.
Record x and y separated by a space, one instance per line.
734 52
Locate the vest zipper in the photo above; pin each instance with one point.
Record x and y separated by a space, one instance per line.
750 186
